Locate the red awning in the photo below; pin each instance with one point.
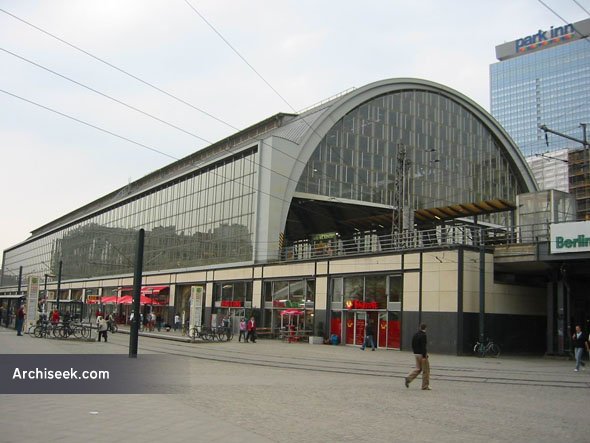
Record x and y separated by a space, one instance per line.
109 299
152 290
143 300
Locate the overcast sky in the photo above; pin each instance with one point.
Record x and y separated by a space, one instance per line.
307 50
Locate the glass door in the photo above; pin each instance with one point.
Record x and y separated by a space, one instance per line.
382 330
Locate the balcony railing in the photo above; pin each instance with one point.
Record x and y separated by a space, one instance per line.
444 236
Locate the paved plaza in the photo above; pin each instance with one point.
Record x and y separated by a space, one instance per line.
278 392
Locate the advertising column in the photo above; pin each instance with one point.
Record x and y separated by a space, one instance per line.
196 306
33 300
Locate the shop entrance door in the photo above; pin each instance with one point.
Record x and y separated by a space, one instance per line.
382 330
355 327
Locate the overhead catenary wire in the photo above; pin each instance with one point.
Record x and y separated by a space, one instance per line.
123 71
581 7
134 77
160 90
147 83
98 128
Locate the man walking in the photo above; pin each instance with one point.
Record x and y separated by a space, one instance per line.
422 365
20 320
579 341
369 336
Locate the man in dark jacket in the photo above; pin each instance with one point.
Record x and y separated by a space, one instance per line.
579 341
422 365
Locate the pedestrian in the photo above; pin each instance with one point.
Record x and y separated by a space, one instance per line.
20 320
421 355
251 328
176 322
369 336
159 322
102 326
579 341
55 317
131 317
243 329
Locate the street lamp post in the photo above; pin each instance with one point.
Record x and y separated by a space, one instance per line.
59 282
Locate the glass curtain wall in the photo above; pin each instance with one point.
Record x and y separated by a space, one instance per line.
289 303
450 155
206 217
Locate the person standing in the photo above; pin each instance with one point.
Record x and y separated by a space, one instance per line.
251 330
176 322
579 342
421 355
102 326
369 336
20 320
243 330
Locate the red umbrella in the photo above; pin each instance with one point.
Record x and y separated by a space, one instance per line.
109 299
143 300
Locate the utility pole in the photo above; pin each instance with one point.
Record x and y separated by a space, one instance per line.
583 141
401 216
137 274
585 156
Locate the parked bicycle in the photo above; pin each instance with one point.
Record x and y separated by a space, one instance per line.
489 348
200 332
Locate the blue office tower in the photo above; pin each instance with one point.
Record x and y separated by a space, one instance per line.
543 78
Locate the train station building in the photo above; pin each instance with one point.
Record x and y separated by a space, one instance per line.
383 206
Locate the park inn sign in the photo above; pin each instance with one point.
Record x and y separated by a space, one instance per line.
570 237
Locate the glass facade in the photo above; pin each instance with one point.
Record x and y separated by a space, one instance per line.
361 301
550 87
205 217
294 296
450 155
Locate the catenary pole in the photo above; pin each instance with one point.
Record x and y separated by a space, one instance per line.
134 335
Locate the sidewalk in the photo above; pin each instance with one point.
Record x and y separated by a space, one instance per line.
288 393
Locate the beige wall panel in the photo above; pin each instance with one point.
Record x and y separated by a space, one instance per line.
386 263
209 294
233 274
322 268
411 287
257 294
448 301
321 293
125 282
412 261
191 277
430 301
470 301
289 270
258 272
157 280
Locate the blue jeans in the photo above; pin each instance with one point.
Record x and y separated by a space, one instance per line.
368 339
19 326
578 352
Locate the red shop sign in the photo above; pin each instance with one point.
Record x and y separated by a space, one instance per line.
231 303
358 304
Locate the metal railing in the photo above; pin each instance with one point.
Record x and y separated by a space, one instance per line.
444 236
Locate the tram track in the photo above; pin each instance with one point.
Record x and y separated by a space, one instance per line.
358 368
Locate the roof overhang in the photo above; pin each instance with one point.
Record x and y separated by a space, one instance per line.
475 209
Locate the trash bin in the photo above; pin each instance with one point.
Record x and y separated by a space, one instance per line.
334 339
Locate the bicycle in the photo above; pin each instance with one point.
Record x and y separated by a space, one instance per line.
200 332
490 348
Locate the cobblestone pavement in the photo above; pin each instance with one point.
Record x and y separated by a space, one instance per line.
279 392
